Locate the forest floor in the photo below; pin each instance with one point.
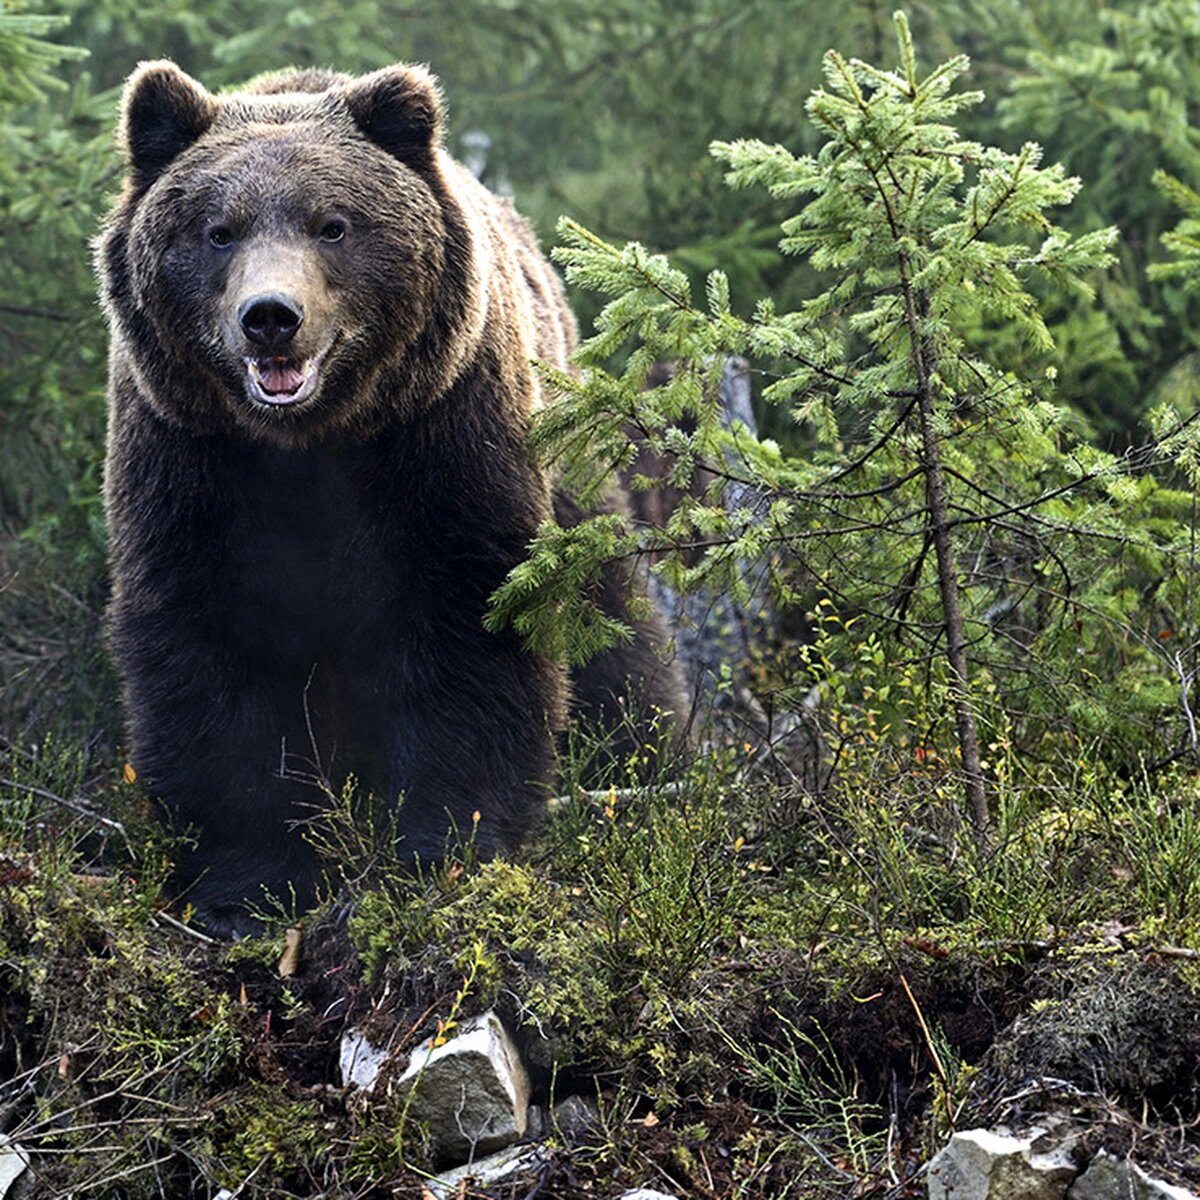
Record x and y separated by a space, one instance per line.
759 992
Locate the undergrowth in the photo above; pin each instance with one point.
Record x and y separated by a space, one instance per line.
760 991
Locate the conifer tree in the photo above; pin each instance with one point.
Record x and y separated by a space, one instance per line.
924 451
1112 90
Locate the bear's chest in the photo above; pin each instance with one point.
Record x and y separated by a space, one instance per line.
310 567
360 558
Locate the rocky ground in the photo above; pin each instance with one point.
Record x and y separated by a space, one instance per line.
671 1008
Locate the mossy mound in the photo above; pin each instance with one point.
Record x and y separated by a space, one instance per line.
762 994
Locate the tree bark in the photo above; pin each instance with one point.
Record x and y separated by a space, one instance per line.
938 508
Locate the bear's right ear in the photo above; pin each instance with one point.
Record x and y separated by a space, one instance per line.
162 113
399 108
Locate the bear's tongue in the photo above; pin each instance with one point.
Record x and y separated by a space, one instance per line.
279 376
282 382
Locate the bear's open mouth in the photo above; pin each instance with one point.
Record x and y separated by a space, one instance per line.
280 382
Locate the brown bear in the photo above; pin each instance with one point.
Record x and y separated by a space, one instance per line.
320 383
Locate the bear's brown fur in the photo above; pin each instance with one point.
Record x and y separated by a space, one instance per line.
320 382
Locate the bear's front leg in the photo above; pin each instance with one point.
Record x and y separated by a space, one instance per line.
229 758
472 742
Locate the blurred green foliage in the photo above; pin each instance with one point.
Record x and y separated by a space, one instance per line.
603 112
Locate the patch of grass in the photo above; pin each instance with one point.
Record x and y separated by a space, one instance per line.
1158 830
802 1083
756 982
599 945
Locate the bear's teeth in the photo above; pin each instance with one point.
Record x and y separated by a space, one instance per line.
280 380
278 375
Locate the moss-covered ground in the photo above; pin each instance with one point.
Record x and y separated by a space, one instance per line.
761 992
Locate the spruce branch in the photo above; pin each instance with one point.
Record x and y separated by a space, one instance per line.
936 488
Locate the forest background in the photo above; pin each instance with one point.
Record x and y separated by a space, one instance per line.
1072 474
604 113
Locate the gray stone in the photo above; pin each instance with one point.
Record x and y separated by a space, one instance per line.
575 1117
981 1165
1109 1178
535 1123
472 1091
14 1162
486 1172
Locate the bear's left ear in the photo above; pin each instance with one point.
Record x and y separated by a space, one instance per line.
163 112
399 109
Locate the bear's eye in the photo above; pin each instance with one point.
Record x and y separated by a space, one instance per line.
332 231
220 237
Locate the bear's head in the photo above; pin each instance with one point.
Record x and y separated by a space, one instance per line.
298 257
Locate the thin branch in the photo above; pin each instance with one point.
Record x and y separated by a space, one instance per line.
75 806
42 314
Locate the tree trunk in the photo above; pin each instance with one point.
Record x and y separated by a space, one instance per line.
938 509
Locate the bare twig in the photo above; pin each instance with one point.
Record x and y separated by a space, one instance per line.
610 795
933 1054
75 806
183 927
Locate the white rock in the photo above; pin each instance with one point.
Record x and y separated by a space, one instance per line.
646 1194
472 1091
513 1161
14 1161
359 1060
981 1165
1109 1178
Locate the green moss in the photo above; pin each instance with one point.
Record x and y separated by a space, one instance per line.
268 1131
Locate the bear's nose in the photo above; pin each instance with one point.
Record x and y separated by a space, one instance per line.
271 320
